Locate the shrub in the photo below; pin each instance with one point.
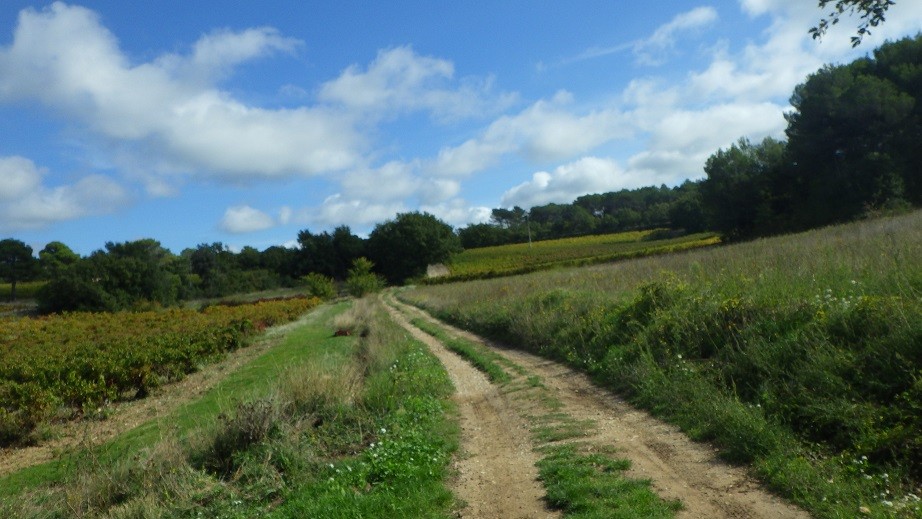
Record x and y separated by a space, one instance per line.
318 285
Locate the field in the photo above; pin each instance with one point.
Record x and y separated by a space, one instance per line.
65 366
316 426
24 290
800 355
504 260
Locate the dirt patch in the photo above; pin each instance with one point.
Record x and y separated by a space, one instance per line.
677 467
437 270
496 470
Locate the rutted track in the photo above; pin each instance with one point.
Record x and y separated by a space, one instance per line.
678 468
496 470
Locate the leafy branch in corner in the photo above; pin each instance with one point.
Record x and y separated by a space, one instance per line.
871 12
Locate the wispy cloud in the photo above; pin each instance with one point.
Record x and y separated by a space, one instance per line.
656 48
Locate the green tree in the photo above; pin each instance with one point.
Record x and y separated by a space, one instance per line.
16 263
316 253
402 248
850 137
687 211
483 235
736 194
55 257
347 248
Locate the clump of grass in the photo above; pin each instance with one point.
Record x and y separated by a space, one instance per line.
592 485
481 358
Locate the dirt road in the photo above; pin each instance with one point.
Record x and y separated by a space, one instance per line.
496 470
678 468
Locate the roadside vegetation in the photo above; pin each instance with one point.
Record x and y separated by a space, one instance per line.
799 355
352 426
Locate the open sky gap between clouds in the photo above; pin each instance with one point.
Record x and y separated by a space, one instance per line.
145 130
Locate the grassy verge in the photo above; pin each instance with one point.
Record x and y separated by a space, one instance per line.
317 427
798 355
583 480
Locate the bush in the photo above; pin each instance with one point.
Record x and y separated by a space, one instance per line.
318 285
362 280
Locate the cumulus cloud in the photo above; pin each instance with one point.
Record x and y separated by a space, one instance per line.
20 178
569 181
716 126
242 219
401 80
338 210
64 58
458 212
655 49
27 203
546 130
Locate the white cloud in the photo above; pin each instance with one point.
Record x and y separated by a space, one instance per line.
26 203
668 167
569 181
338 210
457 212
400 80
20 178
241 219
716 126
653 50
64 58
546 130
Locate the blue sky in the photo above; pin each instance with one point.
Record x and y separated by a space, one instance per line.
245 122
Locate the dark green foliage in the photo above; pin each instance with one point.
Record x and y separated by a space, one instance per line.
736 193
55 257
123 276
402 248
849 136
852 151
329 254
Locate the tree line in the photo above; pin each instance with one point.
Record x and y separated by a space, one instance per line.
852 149
143 273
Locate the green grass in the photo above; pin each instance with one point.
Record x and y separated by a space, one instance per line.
592 486
505 260
316 427
482 359
24 290
799 355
